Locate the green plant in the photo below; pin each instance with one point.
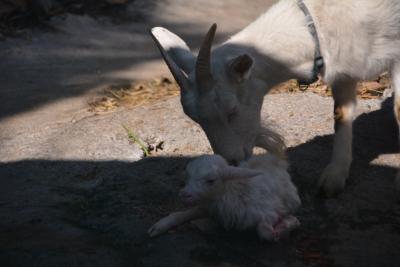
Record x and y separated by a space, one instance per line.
135 139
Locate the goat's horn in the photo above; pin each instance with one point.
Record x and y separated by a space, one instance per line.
179 75
203 67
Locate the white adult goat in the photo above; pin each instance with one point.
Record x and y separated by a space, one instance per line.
223 91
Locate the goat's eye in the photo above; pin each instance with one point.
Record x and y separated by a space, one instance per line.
210 181
233 113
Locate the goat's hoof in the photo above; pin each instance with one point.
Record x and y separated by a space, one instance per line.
155 231
333 180
159 228
266 232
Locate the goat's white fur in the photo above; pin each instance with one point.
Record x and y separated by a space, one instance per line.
396 86
264 200
359 40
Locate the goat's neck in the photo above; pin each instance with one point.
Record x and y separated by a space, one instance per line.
280 43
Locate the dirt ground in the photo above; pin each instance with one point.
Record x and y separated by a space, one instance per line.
75 190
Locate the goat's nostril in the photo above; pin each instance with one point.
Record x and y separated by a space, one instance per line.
184 194
233 162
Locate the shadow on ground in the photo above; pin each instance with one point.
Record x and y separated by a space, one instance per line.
70 64
70 213
83 53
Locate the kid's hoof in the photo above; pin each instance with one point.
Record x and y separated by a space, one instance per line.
161 227
154 231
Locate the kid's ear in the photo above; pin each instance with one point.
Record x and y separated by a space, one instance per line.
230 173
240 67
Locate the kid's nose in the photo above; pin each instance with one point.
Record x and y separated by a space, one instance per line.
185 195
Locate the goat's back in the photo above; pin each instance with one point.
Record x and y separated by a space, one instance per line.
360 38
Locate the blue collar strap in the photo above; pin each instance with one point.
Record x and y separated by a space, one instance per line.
318 59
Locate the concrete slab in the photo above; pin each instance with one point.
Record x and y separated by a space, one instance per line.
95 211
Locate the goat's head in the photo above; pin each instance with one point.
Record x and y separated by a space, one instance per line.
216 92
206 176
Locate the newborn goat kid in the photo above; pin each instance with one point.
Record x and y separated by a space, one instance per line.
257 194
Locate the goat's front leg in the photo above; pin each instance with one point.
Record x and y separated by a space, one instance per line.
334 176
395 73
175 219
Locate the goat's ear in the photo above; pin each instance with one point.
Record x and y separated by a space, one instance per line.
240 67
231 173
176 48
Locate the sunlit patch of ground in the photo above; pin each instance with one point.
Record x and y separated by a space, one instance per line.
133 95
147 92
365 90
